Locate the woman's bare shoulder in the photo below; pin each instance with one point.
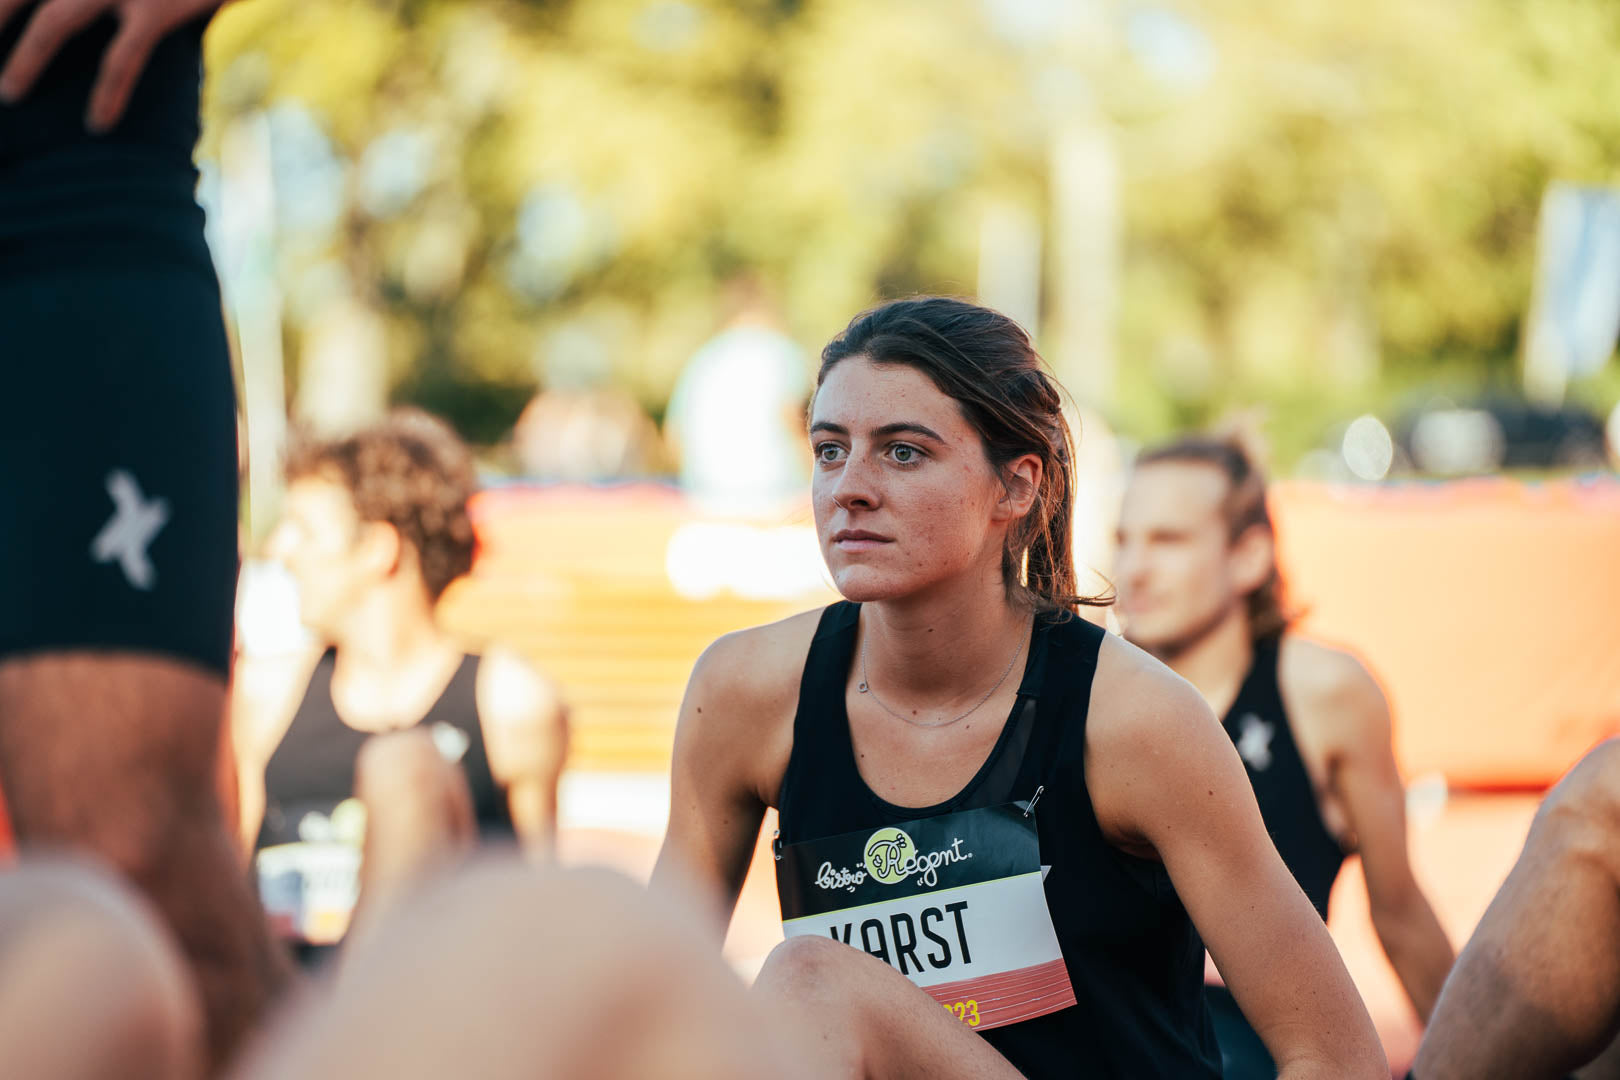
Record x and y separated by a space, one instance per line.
1134 692
736 721
749 679
1152 743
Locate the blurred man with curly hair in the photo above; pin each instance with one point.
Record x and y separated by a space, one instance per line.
341 750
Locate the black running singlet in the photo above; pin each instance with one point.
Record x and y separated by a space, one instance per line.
309 842
1132 954
1258 724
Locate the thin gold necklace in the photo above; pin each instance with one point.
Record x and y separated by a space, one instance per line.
865 687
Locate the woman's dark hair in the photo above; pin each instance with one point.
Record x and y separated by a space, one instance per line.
1243 508
412 472
986 363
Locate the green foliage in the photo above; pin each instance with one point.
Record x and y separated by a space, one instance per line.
1343 208
1354 200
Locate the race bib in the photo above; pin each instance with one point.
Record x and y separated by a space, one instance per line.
309 890
955 903
309 886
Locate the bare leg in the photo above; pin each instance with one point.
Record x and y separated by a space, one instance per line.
116 755
861 1018
1536 991
516 971
90 985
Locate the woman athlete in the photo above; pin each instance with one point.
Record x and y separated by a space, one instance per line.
1005 811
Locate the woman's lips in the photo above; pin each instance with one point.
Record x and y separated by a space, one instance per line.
859 540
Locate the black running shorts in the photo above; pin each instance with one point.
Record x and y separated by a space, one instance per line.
118 466
118 461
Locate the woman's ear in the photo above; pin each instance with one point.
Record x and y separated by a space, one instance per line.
1021 484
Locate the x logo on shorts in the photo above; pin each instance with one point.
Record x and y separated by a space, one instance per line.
130 531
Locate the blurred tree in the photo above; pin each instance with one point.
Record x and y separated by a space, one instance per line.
1324 204
1347 208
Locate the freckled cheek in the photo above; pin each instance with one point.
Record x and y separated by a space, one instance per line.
940 519
820 508
822 505
963 497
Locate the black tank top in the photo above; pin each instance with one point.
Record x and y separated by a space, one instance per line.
1258 724
125 196
312 770
1132 953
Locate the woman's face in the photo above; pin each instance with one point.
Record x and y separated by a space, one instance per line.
904 495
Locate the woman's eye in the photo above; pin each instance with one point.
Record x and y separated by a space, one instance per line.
905 455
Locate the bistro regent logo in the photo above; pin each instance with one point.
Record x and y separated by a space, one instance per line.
890 857
888 853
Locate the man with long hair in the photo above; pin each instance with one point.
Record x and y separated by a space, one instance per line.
1199 588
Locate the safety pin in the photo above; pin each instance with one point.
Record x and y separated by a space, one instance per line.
1029 808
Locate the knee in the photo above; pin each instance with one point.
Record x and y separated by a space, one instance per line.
1583 810
592 926
606 915
807 959
814 970
84 936
149 1004
401 767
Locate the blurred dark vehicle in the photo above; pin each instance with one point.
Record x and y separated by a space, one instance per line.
1447 438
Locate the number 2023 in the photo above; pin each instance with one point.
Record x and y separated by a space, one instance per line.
965 1011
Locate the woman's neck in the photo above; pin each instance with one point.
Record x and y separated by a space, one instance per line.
943 645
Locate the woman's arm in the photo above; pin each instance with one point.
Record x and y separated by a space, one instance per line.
731 750
1167 783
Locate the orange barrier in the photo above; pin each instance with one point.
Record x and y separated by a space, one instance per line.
1490 610
1485 608
575 578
